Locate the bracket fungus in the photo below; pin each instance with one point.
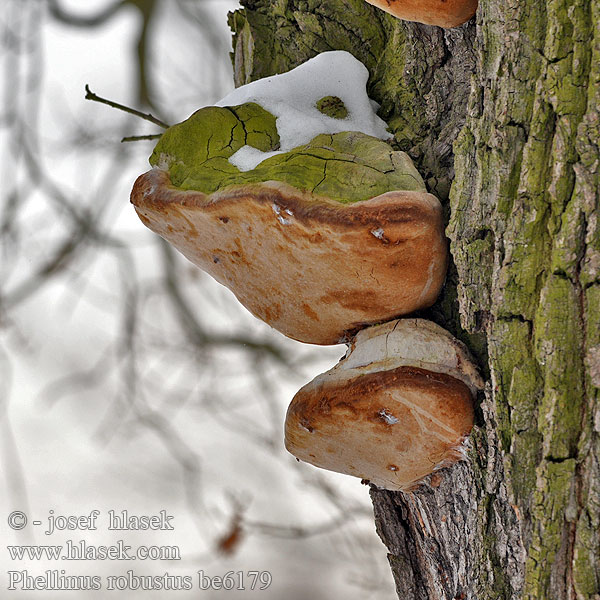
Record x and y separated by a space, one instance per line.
396 408
288 194
443 13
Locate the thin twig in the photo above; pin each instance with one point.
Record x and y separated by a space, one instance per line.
137 138
89 95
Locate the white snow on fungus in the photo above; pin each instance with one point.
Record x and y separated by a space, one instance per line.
291 97
389 418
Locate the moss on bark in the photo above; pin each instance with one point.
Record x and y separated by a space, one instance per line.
527 167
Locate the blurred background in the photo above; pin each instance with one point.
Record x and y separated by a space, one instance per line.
129 380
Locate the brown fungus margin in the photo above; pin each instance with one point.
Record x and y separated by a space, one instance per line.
313 268
443 13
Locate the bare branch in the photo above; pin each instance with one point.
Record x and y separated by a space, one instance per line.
301 531
89 95
138 138
147 9
60 14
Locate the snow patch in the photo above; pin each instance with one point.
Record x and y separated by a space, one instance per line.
291 97
388 417
277 210
248 157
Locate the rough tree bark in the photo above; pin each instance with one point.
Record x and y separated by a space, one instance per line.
502 118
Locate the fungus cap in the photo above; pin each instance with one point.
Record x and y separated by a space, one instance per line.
444 13
311 267
287 193
396 408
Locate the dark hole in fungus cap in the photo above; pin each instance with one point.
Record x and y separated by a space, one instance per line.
394 410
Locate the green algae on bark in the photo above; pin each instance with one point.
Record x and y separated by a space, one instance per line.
527 168
347 167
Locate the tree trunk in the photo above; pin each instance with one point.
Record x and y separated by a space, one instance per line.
501 117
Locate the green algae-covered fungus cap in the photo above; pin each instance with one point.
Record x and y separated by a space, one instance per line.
318 241
346 166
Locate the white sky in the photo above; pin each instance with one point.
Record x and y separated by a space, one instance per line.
87 448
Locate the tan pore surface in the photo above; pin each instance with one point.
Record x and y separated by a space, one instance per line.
391 428
444 13
393 410
313 268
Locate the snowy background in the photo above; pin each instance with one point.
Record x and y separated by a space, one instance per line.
129 380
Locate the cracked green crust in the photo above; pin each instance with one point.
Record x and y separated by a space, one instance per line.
346 167
420 75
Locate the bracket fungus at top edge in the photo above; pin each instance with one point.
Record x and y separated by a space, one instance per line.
320 238
443 13
395 409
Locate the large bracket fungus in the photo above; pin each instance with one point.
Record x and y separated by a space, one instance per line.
395 409
443 13
287 194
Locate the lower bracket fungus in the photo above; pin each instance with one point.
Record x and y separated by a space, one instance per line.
395 409
443 13
287 193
